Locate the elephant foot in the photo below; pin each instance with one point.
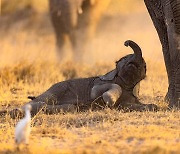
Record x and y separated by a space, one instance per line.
54 109
98 104
173 99
150 107
16 113
139 107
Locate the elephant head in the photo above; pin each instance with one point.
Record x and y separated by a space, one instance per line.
130 69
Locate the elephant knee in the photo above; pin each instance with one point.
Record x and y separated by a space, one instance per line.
111 96
95 92
36 107
110 92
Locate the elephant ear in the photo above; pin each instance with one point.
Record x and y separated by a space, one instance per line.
109 76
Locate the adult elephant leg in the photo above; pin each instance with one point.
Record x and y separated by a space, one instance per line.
64 20
165 15
92 11
96 10
172 17
59 34
77 46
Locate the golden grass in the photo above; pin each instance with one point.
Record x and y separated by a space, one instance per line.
106 131
28 66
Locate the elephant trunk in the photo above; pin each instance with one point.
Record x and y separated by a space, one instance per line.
135 47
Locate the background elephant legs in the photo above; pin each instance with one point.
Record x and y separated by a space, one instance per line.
92 13
60 42
64 19
66 43
77 29
69 45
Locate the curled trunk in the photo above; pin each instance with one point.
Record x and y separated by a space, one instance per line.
135 47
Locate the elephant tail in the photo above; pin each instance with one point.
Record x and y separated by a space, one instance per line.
134 46
31 97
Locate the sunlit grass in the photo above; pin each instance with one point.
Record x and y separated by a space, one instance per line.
28 66
106 131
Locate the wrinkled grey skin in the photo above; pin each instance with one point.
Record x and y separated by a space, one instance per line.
113 90
75 21
165 15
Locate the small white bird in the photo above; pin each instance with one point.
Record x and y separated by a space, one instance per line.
23 128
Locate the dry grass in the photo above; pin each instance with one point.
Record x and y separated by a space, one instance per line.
28 67
107 131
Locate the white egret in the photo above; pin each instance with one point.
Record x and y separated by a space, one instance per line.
23 128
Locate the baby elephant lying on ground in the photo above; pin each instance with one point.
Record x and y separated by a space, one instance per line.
113 90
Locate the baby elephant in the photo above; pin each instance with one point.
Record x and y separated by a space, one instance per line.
113 90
